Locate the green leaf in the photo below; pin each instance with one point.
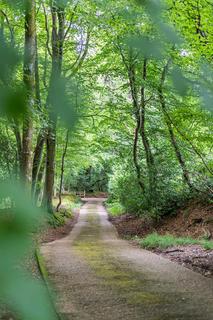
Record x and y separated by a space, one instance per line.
18 218
148 48
65 100
181 84
33 303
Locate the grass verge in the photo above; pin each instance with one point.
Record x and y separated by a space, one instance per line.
155 240
69 204
115 209
44 274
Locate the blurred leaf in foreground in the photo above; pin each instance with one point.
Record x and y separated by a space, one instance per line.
148 48
18 220
181 84
64 98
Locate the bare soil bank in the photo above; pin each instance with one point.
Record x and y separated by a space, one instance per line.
194 220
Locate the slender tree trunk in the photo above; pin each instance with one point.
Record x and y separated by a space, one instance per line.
180 158
17 133
139 110
148 152
62 170
195 150
130 67
38 187
134 94
37 78
14 122
50 165
37 159
29 82
42 133
135 157
58 23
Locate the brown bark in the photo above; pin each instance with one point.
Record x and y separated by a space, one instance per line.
62 170
135 157
173 140
37 79
29 82
196 151
58 23
142 119
37 159
132 82
18 137
139 111
42 133
38 187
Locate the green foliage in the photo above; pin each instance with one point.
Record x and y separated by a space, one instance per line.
64 98
92 99
57 219
12 98
155 240
115 209
124 186
91 179
18 220
69 204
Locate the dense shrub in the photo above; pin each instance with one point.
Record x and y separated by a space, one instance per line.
124 189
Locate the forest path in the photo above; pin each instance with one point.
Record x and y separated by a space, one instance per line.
99 277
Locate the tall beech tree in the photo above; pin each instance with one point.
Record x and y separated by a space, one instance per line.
141 124
57 42
29 82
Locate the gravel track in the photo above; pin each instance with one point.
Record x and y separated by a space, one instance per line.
97 276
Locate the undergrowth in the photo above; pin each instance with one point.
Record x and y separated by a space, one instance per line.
155 240
115 209
69 203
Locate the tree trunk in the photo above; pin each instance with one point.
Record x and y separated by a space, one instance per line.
173 140
134 94
38 187
139 111
17 133
135 157
37 159
29 82
42 133
58 23
37 79
62 170
148 152
50 166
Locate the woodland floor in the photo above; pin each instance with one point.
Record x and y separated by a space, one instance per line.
194 220
52 234
98 276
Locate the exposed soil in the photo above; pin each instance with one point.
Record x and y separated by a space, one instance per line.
194 220
97 195
52 234
193 257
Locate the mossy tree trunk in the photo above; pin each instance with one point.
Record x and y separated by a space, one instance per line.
29 82
58 29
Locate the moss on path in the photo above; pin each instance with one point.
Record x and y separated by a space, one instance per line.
98 276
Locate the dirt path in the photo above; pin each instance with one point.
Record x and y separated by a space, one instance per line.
100 277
